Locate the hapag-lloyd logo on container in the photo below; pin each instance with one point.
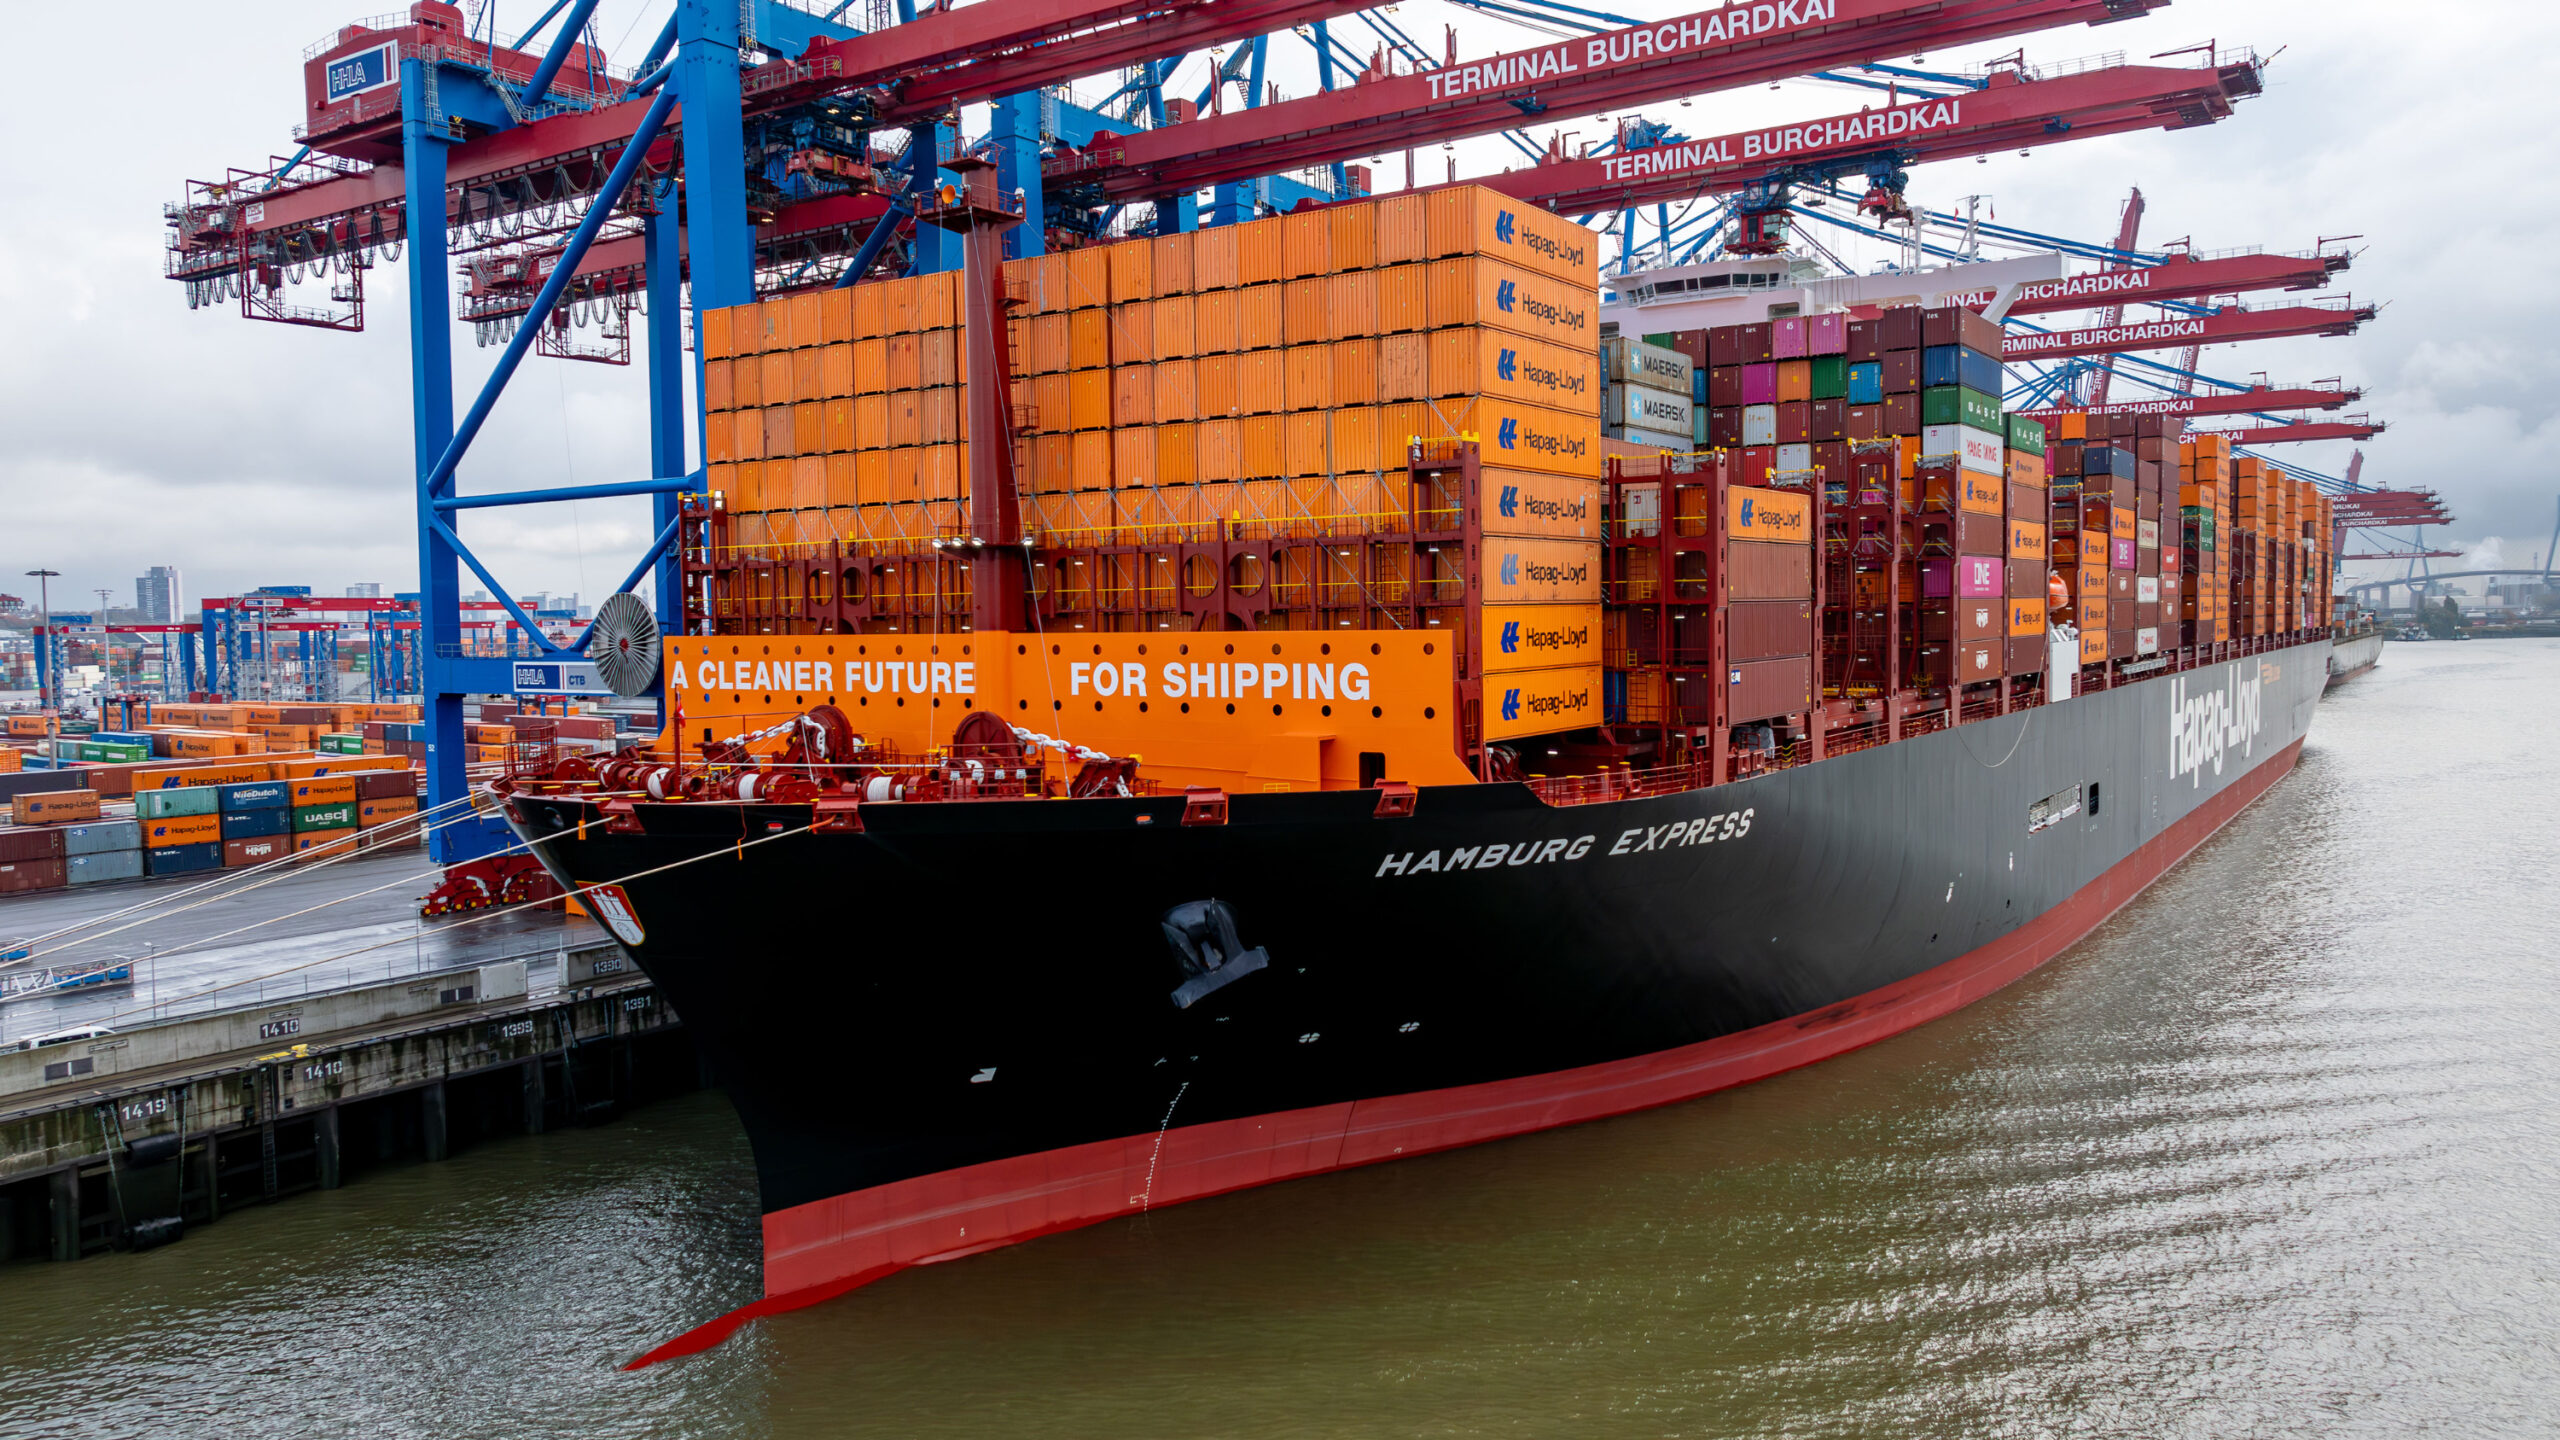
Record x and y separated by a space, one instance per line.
2206 722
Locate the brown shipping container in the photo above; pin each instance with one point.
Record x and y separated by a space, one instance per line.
1981 617
1763 570
20 843
18 875
241 854
1762 689
1768 629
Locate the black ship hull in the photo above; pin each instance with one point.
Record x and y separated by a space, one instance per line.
973 1023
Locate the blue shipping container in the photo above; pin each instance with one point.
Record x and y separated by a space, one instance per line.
1866 383
99 836
2107 460
185 859
1955 365
106 865
1698 385
255 824
254 795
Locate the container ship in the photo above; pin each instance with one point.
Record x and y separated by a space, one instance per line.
1205 710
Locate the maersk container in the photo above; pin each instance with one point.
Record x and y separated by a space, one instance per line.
1657 439
1646 408
1633 362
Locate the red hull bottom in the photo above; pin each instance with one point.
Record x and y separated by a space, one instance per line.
820 1250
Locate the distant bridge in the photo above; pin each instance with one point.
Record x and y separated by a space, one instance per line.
2547 576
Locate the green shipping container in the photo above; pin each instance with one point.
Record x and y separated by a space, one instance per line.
108 752
1956 405
176 801
324 817
2026 434
1830 377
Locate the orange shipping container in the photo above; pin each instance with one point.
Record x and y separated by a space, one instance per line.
809 482
1259 325
1048 351
1133 270
1476 361
717 392
1214 259
780 433
835 317
1306 318
1089 400
1173 319
807 373
719 443
1355 236
1403 301
1133 457
870 421
1177 454
1355 372
1221 450
1307 443
1472 220
870 310
1403 228
1133 395
1214 328
1307 377
1177 394
1088 339
1258 252
774 378
1404 367
835 370
1263 447
1218 394
906 418
1306 243
1133 333
1052 464
941 415
1260 382
906 361
870 478
1092 460
1088 277
870 366
1172 264
808 427
938 357
1052 407
717 341
1472 290
806 329
938 300
1352 303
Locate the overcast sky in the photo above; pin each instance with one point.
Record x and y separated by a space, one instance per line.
134 432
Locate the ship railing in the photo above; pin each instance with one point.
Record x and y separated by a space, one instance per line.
1607 785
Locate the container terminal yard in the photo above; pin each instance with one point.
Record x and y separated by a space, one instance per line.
1575 566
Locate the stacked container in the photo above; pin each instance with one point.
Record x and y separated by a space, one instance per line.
1260 380
257 821
1645 396
323 812
181 831
102 850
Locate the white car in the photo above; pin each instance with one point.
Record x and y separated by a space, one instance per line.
64 1037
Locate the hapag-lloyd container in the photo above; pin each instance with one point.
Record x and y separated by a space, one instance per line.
1478 361
1539 637
1526 503
1481 290
1517 570
1536 702
1472 220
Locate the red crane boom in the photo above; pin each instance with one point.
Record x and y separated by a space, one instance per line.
2231 322
2263 399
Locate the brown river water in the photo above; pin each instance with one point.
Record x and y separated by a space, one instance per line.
2276 1152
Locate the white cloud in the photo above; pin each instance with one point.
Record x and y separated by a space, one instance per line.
133 432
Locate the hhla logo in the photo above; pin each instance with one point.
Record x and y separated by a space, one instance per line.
2205 724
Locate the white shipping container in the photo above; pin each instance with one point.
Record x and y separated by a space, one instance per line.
1646 408
1633 435
1795 457
2146 641
1759 424
1633 362
1979 451
2146 590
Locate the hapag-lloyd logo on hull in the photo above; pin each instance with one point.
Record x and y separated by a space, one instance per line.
2207 723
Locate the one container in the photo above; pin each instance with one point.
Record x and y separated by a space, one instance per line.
250 824
339 815
184 859
1632 362
1760 424
181 830
100 836
1645 408
241 854
187 800
101 865
49 806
